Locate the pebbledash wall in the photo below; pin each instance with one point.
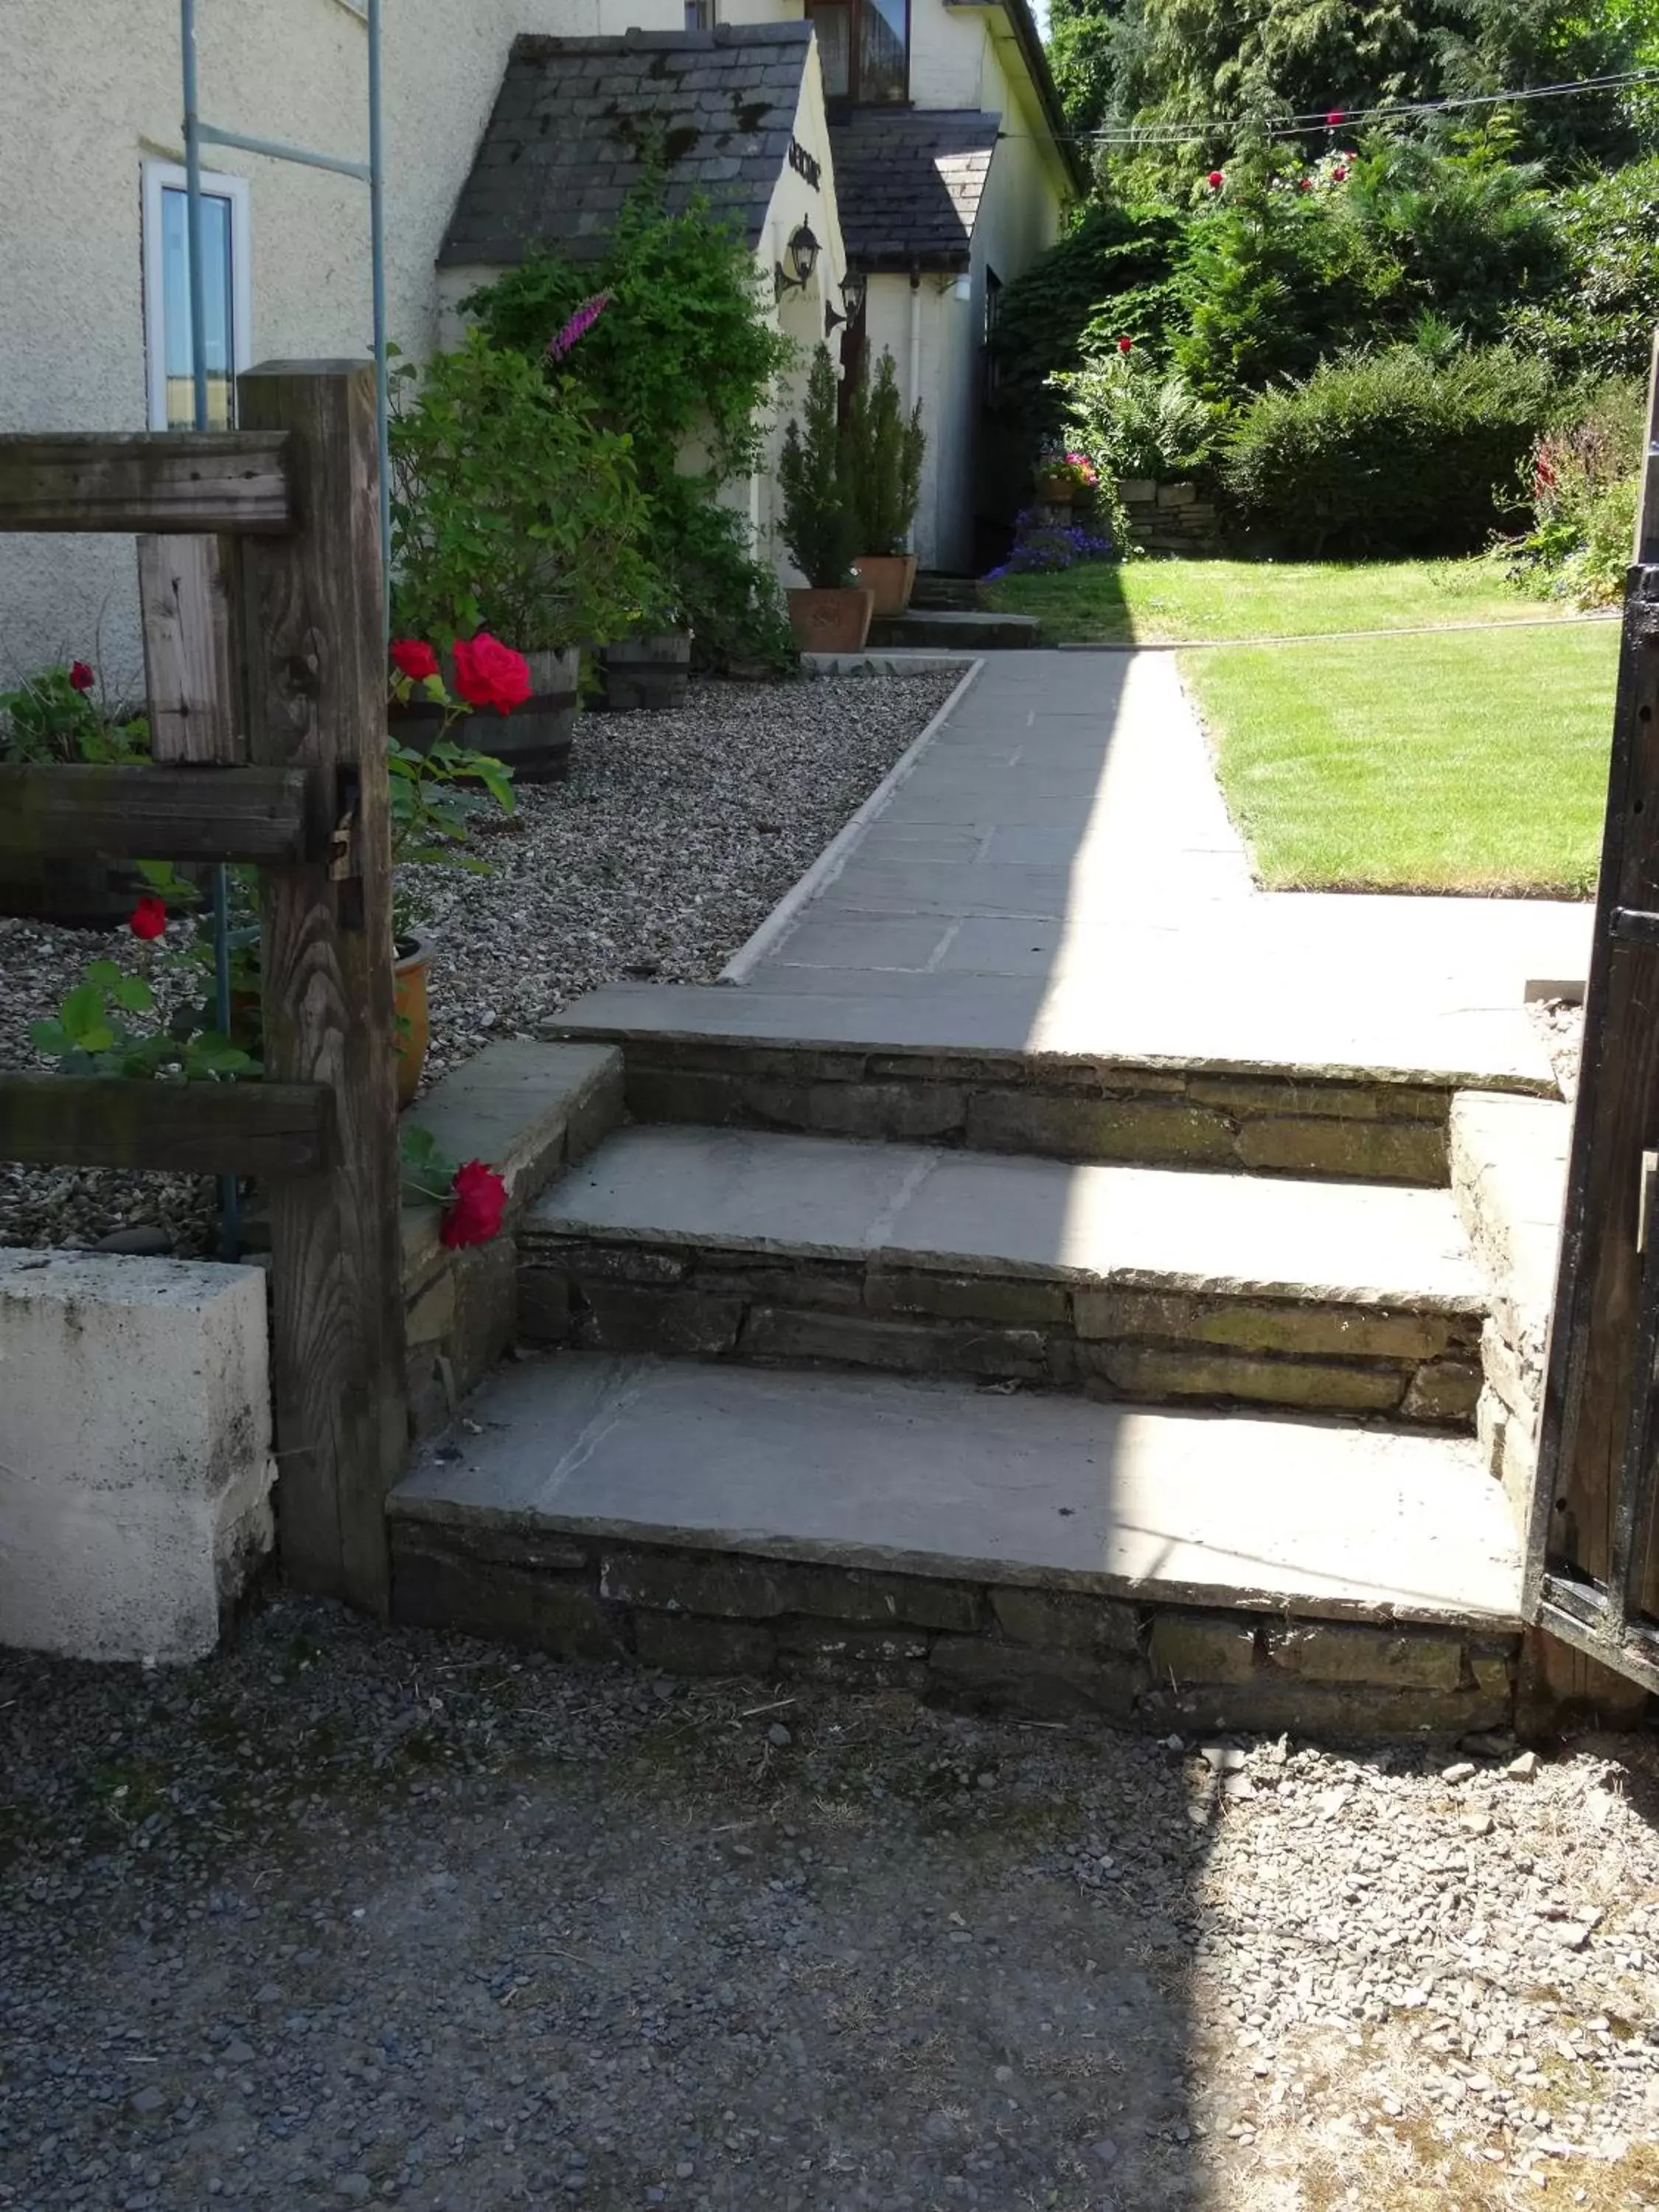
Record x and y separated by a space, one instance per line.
89 95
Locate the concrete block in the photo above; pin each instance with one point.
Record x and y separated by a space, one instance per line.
1067 1620
1259 1325
1202 1647
1070 1129
517 1103
1149 1370
1443 1390
134 1451
985 1675
1373 1151
1386 1658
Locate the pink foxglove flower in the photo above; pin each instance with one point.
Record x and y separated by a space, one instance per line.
579 325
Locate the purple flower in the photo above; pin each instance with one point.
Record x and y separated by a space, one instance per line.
579 325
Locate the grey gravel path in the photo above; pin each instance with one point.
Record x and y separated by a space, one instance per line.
676 836
348 1915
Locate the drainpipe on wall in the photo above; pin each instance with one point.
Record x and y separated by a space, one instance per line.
915 384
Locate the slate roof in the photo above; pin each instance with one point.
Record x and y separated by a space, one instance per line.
908 182
574 116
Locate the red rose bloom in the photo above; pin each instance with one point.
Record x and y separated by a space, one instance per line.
1335 117
1214 180
1126 345
1339 176
490 674
413 659
148 918
81 676
477 1201
1306 185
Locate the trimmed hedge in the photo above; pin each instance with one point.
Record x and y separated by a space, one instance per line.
1389 453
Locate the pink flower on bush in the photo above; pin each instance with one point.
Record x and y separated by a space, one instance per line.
414 658
490 674
81 676
477 1202
148 918
578 326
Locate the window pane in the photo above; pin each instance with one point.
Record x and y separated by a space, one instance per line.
883 75
835 50
218 291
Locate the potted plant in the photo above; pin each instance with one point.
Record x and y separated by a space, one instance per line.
516 518
882 452
831 614
1061 476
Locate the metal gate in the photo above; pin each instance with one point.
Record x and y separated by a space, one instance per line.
1593 1567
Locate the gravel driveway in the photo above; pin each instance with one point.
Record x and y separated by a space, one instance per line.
349 1914
676 836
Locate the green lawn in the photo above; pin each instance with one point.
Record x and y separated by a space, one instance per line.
1169 602
1472 762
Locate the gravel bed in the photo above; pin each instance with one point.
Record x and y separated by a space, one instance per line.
349 1914
676 836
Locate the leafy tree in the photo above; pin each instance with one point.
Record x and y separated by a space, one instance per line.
1082 52
1599 316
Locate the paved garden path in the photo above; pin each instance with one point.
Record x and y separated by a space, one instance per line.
1055 867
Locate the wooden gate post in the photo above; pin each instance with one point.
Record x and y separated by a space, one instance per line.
314 656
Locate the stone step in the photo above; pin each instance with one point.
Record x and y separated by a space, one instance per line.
948 1072
1166 1569
955 630
934 593
1144 1283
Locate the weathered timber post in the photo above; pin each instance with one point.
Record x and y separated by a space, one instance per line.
312 644
187 587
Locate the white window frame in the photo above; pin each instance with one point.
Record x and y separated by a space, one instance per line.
168 176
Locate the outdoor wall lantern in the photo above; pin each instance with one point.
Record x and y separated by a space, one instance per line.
803 250
851 293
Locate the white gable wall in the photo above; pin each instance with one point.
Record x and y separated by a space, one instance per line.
88 96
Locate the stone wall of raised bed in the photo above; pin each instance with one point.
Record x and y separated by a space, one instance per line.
981 1645
1170 518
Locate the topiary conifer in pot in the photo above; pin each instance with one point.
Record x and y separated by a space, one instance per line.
882 454
832 613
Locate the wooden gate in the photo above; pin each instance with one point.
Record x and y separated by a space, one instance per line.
260 560
1594 1563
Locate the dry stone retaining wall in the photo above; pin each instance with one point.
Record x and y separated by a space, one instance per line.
982 1645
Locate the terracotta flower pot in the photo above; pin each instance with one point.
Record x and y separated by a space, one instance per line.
891 577
413 1016
837 620
1059 491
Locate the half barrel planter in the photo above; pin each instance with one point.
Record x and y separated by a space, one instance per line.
648 671
534 740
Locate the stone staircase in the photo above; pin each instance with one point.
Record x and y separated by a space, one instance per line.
1004 1378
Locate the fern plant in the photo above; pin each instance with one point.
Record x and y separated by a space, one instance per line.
882 452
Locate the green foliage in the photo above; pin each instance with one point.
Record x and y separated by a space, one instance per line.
434 797
1081 55
818 526
513 509
1466 234
47 719
1386 453
1115 265
684 346
1134 420
425 1171
1583 481
1599 316
91 1035
684 355
882 452
731 603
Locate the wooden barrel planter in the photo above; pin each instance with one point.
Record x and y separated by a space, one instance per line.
534 740
651 670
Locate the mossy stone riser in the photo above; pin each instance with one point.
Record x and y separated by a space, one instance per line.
1342 1127
1054 1654
1416 1366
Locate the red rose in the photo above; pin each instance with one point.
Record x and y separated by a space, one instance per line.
81 676
1306 185
413 659
1335 117
1339 176
148 918
1126 345
1214 180
490 674
477 1201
